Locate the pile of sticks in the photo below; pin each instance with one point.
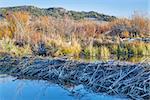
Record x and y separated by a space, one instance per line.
112 78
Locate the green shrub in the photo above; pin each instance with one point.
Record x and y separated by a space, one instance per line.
91 50
7 45
104 52
69 48
138 48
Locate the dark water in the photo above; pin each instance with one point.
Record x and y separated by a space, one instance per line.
14 89
125 58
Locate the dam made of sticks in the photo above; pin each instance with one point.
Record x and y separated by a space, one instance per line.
112 77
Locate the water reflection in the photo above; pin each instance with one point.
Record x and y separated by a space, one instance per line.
14 89
126 58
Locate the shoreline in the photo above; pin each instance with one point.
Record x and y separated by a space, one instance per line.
112 78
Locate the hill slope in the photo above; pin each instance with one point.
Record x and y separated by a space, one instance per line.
59 12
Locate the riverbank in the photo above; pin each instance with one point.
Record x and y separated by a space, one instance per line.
113 78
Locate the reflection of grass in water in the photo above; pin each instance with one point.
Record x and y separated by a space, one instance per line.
133 59
90 58
23 84
19 89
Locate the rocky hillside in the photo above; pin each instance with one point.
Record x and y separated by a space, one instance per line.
59 13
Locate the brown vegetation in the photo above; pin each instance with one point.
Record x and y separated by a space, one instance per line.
73 37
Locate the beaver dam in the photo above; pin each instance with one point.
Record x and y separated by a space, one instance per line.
112 77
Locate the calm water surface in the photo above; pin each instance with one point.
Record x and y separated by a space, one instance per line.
132 59
15 89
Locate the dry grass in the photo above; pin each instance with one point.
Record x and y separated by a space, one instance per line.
70 37
7 45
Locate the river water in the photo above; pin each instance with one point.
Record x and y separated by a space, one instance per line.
16 89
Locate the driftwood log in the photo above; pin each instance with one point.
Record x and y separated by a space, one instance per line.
113 78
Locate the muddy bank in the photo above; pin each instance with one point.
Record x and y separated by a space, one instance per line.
113 78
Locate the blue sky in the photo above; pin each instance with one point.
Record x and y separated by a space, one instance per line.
111 7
